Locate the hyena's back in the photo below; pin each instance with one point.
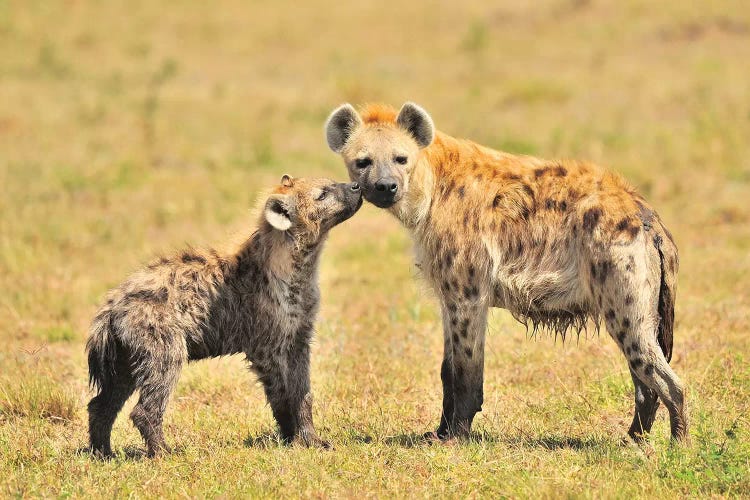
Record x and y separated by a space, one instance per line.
164 305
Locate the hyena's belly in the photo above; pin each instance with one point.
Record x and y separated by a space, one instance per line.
548 292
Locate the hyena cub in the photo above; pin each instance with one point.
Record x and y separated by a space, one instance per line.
260 300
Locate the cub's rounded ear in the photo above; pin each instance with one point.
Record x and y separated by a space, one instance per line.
287 180
417 122
339 127
277 211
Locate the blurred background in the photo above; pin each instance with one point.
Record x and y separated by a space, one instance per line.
131 129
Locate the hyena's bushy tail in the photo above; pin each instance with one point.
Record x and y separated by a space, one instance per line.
668 260
102 350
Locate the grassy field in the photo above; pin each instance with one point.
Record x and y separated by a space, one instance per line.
130 130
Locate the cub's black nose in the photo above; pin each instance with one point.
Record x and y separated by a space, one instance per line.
387 184
354 186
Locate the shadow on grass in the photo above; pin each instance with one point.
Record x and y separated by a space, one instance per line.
264 441
557 442
133 453
415 440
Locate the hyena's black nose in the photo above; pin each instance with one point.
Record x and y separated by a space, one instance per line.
387 184
354 186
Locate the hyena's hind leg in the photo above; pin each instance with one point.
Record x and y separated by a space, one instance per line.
148 414
634 326
103 409
646 404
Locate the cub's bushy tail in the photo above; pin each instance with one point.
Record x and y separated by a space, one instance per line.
102 351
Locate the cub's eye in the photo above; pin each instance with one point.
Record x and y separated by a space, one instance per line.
363 162
321 196
401 160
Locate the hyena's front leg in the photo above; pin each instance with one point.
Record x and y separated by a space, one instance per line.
287 387
463 363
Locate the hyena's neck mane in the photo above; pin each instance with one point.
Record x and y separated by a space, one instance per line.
277 254
436 163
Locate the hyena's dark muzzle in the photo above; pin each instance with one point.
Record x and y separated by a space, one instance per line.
350 196
380 187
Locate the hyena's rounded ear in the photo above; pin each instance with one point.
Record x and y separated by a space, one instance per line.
287 180
340 124
417 122
277 211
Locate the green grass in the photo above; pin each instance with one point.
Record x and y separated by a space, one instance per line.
125 133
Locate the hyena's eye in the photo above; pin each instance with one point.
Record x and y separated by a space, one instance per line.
363 162
401 160
321 196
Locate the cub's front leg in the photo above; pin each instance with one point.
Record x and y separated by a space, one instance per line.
287 387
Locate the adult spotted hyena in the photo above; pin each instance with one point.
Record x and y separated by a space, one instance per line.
554 242
260 300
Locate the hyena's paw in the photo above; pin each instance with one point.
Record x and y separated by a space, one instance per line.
101 454
159 451
311 441
436 437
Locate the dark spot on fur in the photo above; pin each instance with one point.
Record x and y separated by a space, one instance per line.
630 265
649 370
466 220
560 171
550 204
633 231
562 206
446 286
525 212
540 172
455 338
605 266
636 363
448 258
621 336
593 270
471 272
461 192
634 346
468 352
627 351
448 189
464 328
628 300
496 201
610 315
156 296
591 218
626 322
480 177
512 177
623 224
645 214
471 292
188 257
527 189
452 308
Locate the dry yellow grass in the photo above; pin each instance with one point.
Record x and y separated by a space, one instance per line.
127 131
